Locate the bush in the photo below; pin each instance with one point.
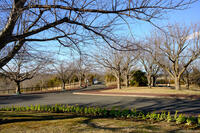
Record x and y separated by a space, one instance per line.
138 78
164 81
181 119
53 82
109 78
191 120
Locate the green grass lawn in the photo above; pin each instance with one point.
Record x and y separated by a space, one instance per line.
29 122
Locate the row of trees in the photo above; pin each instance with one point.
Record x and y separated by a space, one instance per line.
173 51
72 23
26 65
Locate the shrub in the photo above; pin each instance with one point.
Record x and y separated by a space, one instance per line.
181 119
175 115
138 78
169 117
191 120
99 112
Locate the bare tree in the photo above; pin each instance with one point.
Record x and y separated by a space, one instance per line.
65 71
186 76
195 75
150 67
83 67
177 50
130 59
23 67
71 21
120 63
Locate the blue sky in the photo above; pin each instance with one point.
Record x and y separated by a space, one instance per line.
188 16
138 28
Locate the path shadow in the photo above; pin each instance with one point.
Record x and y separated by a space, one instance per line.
12 99
188 107
29 118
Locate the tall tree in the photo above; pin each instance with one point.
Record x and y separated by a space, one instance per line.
150 67
65 71
71 21
83 67
120 63
176 50
130 60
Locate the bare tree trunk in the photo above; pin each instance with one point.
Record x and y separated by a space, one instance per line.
177 83
127 81
154 81
18 91
187 81
63 85
80 81
149 80
119 85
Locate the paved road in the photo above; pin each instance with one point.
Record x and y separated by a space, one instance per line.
145 104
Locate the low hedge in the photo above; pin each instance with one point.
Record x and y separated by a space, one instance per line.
112 113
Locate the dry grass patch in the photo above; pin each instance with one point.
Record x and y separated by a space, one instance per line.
29 122
154 90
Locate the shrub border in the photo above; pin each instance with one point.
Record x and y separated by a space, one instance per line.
114 112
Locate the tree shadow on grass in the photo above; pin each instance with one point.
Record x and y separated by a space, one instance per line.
6 119
89 121
132 128
93 125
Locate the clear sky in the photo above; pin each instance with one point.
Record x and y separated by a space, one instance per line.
188 16
138 28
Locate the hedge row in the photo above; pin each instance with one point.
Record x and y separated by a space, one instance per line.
112 113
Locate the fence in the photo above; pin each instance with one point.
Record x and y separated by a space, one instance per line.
39 89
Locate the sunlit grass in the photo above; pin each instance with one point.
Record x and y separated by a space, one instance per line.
154 90
64 122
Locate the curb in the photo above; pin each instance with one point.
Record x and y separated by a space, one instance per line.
131 95
100 94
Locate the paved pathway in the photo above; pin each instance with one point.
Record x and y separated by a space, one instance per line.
145 104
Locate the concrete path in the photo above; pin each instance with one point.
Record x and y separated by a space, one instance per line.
145 104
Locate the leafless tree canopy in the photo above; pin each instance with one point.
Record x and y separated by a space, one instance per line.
23 66
83 67
119 63
150 67
175 51
70 22
65 71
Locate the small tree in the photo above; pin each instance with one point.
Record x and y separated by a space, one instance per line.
65 71
83 66
23 67
130 60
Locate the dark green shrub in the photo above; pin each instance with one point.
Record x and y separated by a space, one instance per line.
53 82
191 120
138 78
181 119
